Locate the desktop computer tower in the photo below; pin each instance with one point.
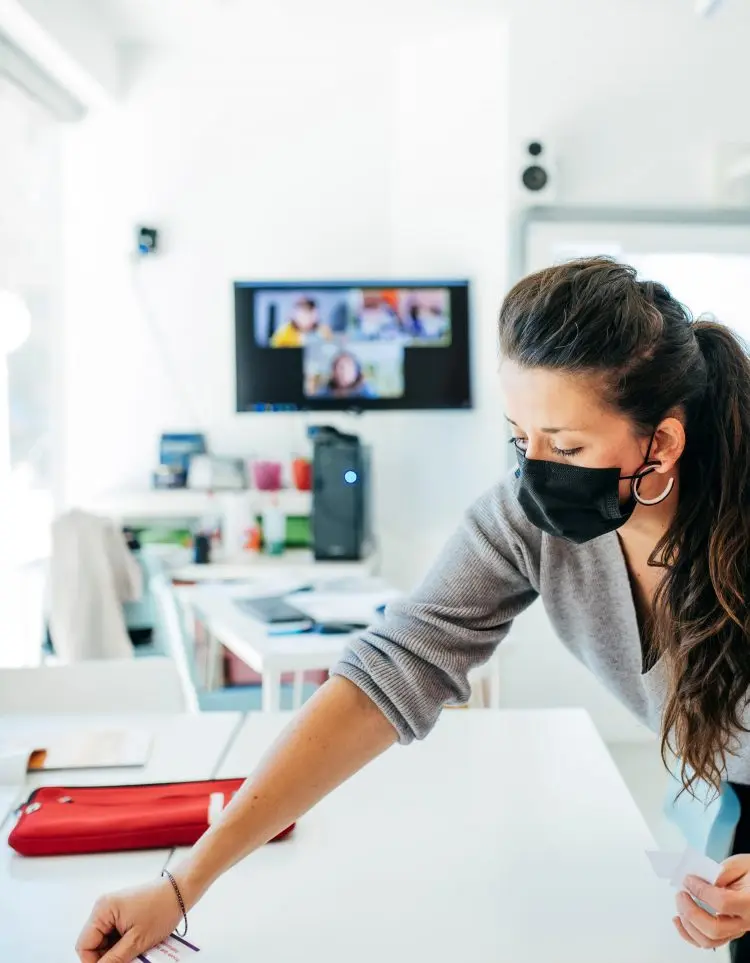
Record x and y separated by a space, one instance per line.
341 520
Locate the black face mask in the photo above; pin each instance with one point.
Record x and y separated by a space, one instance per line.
575 503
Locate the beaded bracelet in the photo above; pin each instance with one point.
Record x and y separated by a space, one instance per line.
180 900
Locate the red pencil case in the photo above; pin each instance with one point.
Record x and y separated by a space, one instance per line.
63 821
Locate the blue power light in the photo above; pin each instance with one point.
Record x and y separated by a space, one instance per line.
350 477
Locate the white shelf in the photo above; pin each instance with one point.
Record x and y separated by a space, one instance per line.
294 563
183 503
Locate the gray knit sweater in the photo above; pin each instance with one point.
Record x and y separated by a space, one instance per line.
416 658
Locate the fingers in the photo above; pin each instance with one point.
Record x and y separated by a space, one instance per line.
683 932
96 936
728 902
706 930
698 939
125 950
733 869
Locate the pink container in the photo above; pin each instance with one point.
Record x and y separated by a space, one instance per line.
267 475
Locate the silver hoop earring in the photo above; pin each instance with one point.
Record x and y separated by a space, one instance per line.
651 501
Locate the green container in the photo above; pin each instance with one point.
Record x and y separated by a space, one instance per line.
298 533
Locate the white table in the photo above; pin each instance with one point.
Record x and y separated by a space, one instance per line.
45 901
504 837
269 655
9 796
273 655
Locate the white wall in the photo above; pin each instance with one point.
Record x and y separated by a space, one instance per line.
324 147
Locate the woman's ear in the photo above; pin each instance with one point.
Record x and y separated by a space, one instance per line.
668 445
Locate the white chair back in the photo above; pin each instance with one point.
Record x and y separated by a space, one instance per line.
107 686
91 574
170 630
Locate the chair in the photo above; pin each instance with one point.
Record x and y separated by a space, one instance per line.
172 637
104 686
91 574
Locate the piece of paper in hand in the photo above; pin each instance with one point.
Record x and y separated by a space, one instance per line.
697 864
663 864
173 950
676 866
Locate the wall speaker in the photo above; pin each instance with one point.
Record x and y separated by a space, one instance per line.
537 176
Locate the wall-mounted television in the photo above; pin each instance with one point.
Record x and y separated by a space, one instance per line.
364 345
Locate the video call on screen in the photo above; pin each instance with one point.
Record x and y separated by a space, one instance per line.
363 345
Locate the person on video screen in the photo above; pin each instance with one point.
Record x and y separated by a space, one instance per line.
304 326
347 379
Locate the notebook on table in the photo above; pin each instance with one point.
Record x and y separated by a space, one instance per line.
274 611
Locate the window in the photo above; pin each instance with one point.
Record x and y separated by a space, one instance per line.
30 240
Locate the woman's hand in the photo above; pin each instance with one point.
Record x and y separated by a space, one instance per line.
128 923
729 898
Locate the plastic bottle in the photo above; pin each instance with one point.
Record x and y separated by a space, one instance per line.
274 529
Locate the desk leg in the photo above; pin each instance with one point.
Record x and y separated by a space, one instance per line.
299 681
271 691
213 658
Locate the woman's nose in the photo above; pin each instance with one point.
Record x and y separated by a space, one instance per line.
533 450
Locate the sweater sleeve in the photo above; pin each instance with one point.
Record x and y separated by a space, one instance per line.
417 657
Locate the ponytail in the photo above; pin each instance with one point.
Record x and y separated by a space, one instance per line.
703 619
726 404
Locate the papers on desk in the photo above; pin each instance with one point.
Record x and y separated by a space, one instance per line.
345 607
174 949
77 750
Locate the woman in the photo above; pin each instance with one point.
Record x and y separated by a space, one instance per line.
628 514
347 378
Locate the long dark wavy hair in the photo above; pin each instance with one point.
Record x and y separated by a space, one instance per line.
593 316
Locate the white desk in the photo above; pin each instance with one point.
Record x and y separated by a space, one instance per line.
44 902
269 655
505 837
9 796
